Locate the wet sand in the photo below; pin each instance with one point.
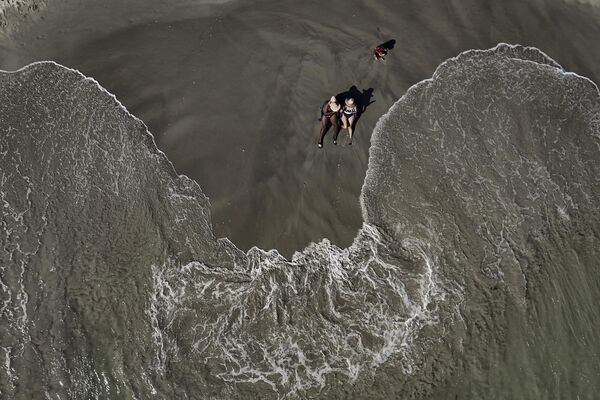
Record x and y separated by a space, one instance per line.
231 90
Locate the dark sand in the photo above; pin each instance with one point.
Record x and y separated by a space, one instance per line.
231 90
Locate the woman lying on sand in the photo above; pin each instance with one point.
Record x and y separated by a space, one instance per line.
348 116
330 117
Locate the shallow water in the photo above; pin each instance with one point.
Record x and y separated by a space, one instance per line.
230 89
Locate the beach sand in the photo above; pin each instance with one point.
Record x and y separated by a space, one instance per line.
231 90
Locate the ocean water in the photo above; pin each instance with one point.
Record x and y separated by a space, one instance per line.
473 273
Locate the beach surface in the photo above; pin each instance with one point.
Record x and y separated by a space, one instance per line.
231 90
474 274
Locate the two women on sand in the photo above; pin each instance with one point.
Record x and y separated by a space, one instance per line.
330 115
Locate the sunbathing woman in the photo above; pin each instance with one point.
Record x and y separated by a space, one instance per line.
330 117
348 117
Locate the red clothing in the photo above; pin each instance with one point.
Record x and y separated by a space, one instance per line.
379 52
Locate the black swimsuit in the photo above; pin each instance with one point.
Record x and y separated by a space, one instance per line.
350 111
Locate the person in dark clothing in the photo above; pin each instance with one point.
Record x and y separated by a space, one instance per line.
330 117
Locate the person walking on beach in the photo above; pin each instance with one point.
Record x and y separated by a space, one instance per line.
348 116
329 116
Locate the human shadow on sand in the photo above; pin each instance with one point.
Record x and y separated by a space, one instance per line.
389 45
361 98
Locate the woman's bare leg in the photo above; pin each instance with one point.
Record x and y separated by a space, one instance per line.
336 127
350 128
344 121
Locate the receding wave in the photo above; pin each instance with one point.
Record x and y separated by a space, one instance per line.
114 285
